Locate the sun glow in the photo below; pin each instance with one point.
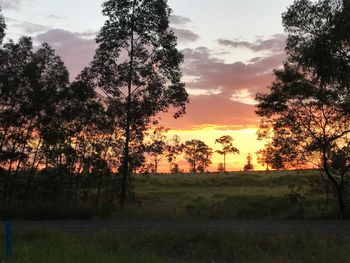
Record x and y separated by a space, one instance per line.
245 140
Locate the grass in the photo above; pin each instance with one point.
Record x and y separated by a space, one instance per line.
240 195
255 195
157 247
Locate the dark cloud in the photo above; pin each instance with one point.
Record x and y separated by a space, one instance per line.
209 72
185 35
76 49
179 20
276 43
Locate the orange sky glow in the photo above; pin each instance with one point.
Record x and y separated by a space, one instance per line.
245 140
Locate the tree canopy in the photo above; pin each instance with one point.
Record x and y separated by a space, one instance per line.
198 155
227 147
137 67
2 26
305 113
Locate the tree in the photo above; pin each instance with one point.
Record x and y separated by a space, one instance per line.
156 147
174 149
307 107
227 147
249 165
271 157
2 27
137 66
221 168
198 155
31 84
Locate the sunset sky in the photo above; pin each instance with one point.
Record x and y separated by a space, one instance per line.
230 48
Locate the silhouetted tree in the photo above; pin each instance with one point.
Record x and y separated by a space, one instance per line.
221 168
198 155
137 67
271 157
249 165
174 149
30 83
2 27
227 147
307 106
156 147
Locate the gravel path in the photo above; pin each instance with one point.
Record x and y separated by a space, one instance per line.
269 227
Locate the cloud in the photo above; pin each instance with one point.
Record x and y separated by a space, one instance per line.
11 4
216 112
177 25
222 93
276 43
76 49
205 71
30 28
179 20
57 17
185 35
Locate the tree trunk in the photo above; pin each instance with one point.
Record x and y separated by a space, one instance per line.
338 187
126 161
224 163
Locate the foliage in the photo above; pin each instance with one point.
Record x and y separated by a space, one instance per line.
2 27
227 147
198 155
174 149
305 113
249 165
156 148
137 66
221 168
270 156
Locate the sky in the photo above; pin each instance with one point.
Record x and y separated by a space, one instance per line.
230 46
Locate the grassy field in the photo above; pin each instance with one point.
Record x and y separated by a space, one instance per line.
255 195
240 195
166 247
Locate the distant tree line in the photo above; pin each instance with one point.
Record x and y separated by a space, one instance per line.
195 152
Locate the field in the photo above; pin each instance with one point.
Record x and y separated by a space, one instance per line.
255 195
240 195
168 247
180 198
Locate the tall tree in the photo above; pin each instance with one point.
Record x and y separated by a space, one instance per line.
198 155
137 66
2 27
307 106
227 147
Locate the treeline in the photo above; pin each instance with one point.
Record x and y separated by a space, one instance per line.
63 141
196 152
52 129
